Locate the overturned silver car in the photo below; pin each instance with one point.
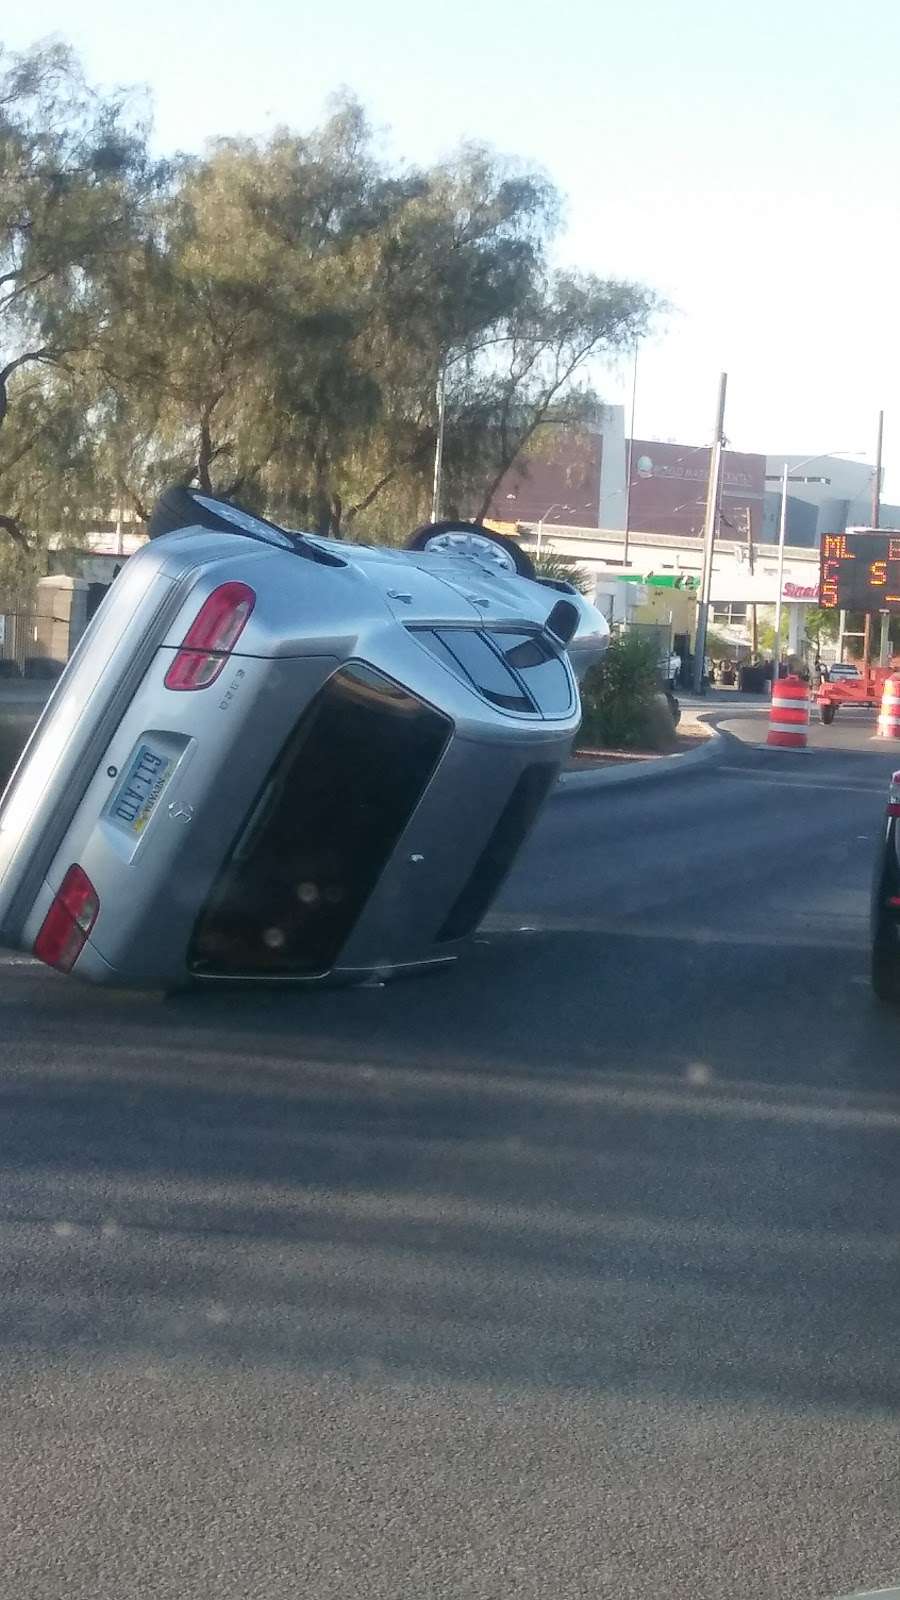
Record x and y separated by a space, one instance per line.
277 758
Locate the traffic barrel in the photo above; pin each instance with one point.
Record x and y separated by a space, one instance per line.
789 714
889 715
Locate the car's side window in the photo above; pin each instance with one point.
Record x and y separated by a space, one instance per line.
485 668
542 670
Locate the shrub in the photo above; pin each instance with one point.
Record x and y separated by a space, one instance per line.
621 708
563 569
659 726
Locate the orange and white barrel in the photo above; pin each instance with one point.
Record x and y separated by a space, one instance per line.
789 714
889 715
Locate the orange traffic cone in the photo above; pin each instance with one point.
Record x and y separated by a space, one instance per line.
889 715
789 714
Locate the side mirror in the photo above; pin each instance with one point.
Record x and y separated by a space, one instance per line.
562 621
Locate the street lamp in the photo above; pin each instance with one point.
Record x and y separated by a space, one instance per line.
438 480
786 478
556 506
628 468
437 483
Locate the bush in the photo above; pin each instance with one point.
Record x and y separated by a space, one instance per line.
659 727
563 569
622 708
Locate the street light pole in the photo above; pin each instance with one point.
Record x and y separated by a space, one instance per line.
556 506
439 445
876 484
779 582
630 458
713 499
876 519
782 532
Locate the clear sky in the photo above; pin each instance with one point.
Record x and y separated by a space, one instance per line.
740 158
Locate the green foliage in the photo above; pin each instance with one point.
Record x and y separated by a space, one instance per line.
717 648
270 320
765 633
619 696
74 175
563 569
20 567
659 726
821 626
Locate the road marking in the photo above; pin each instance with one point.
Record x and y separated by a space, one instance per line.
19 961
636 925
775 781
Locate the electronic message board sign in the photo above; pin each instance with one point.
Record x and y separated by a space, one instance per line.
860 571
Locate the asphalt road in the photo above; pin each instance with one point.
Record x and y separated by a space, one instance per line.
572 1273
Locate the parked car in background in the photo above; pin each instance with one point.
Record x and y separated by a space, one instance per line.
670 669
840 669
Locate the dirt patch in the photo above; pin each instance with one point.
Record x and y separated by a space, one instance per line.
691 735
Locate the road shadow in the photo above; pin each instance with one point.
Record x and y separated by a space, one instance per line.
510 1173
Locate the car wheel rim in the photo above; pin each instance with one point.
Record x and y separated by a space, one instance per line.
463 543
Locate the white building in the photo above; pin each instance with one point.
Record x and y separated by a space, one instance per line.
734 587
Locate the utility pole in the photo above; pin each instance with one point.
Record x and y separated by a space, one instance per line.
751 567
439 445
785 477
876 486
713 501
876 522
779 581
630 458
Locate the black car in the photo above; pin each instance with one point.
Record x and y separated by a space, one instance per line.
886 904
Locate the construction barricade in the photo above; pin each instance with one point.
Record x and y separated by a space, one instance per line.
889 715
789 714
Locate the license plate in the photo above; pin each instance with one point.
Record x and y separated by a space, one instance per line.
137 797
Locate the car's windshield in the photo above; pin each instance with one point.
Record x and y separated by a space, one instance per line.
450 933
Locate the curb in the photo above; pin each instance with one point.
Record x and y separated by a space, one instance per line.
708 754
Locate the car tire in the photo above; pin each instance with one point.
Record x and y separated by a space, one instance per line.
437 531
673 706
179 507
826 713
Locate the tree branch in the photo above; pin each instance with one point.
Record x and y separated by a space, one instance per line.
13 527
138 504
363 505
9 299
206 454
13 366
25 450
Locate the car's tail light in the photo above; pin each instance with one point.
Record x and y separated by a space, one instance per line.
211 637
893 809
68 922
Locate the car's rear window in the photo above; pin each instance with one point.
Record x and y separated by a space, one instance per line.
515 670
323 826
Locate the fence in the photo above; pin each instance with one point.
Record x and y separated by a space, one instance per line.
659 634
26 646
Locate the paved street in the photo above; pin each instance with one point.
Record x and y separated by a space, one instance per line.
853 727
572 1273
